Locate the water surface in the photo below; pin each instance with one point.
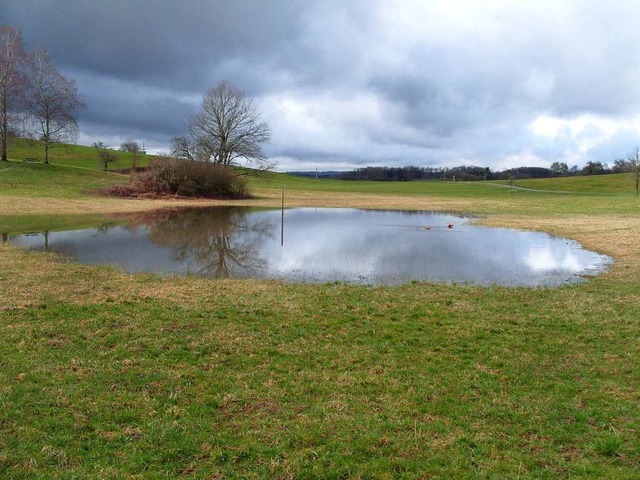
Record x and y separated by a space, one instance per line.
324 245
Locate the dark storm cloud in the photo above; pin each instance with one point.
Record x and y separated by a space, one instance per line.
154 42
361 82
156 109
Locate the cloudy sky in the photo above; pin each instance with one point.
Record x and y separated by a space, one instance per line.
350 83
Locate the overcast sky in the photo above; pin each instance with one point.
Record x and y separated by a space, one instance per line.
350 83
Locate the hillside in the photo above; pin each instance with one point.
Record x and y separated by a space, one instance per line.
85 157
618 183
71 155
52 181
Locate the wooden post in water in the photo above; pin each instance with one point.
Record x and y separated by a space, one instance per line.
282 220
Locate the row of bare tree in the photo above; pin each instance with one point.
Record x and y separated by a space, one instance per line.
35 98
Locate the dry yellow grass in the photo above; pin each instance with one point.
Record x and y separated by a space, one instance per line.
21 205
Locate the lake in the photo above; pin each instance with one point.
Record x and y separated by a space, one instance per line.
324 245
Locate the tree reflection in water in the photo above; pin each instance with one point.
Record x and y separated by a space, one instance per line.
220 242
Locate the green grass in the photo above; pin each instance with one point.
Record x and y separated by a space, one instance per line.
607 195
603 185
110 375
321 382
71 155
417 188
53 181
617 184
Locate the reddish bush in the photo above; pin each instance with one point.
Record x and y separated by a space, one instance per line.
183 178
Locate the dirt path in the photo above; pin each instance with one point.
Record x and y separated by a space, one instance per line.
526 189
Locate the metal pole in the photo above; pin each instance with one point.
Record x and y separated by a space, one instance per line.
282 220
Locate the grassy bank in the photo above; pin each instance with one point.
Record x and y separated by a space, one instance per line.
614 184
72 155
110 375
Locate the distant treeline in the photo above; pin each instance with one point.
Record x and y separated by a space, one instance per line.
471 173
406 174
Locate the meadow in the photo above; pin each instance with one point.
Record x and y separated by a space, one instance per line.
105 374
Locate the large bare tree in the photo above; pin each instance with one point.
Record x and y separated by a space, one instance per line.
226 130
52 102
12 80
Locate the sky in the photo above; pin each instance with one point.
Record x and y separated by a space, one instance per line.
346 84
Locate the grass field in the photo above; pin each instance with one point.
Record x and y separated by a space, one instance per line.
72 155
109 375
615 184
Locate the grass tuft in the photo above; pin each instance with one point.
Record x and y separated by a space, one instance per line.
609 446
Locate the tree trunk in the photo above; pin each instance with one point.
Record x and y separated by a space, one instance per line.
46 144
4 128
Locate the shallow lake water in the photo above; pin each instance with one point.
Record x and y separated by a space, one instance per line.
324 245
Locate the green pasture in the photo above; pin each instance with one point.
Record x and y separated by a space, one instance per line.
109 375
53 180
614 184
71 155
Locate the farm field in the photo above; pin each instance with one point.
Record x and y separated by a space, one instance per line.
80 156
105 374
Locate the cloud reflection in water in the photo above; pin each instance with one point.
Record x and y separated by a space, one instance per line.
322 245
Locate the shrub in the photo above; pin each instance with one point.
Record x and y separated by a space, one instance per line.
184 178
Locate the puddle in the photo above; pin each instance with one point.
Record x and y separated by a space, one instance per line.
324 245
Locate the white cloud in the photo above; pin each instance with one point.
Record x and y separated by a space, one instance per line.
496 83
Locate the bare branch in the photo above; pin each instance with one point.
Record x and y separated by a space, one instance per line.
105 156
227 129
52 101
13 81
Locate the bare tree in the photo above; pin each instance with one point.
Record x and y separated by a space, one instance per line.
634 162
227 129
105 156
12 79
134 149
52 102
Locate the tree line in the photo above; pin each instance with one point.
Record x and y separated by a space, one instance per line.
461 173
473 173
36 100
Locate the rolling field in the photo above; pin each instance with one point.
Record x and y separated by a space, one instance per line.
71 155
104 374
614 184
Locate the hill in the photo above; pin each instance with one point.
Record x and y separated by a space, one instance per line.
52 181
617 183
71 155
